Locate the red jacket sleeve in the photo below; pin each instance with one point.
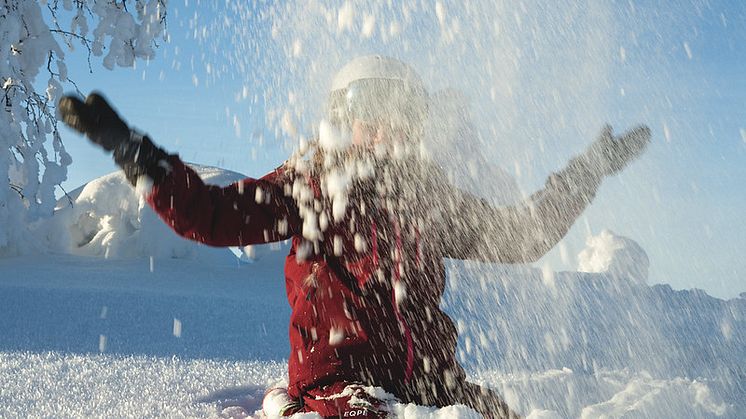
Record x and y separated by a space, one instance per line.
252 211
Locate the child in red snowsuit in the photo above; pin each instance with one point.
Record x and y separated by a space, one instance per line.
365 281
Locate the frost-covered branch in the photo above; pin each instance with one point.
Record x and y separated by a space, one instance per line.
33 159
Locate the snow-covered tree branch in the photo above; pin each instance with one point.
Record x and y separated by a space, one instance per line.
33 160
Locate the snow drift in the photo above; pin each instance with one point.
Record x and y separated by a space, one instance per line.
108 218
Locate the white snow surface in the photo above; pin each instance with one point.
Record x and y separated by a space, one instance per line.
124 319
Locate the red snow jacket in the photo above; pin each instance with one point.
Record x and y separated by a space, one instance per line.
365 298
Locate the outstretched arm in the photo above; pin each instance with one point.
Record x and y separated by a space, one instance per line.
526 231
247 212
251 211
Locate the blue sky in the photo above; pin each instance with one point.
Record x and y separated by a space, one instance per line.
678 67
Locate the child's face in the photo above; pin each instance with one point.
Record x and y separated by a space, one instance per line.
370 135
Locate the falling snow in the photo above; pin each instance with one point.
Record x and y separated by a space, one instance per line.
117 309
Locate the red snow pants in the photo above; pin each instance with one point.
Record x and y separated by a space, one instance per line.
343 400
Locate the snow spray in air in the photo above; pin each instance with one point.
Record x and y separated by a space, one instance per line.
515 89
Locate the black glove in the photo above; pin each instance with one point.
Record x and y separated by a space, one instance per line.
134 153
95 119
608 154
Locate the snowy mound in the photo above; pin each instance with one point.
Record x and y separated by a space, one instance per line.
619 256
108 218
676 350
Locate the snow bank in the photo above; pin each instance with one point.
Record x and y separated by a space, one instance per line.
618 256
613 394
108 218
510 319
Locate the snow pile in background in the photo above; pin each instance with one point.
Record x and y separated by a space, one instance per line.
619 256
612 394
107 218
521 319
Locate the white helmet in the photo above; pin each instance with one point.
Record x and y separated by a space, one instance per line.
376 67
377 88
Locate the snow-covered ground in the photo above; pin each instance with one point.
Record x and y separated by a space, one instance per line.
126 320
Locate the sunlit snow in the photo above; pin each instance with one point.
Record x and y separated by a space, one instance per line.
105 312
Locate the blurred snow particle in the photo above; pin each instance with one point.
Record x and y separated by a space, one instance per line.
338 247
288 126
104 312
177 328
666 133
101 343
360 244
303 145
323 221
461 326
400 292
547 275
394 29
345 17
339 207
622 54
259 195
549 343
337 184
250 252
743 134
518 19
726 329
688 50
369 26
332 138
564 254
236 126
152 264
517 168
310 229
336 336
449 379
297 47
440 13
